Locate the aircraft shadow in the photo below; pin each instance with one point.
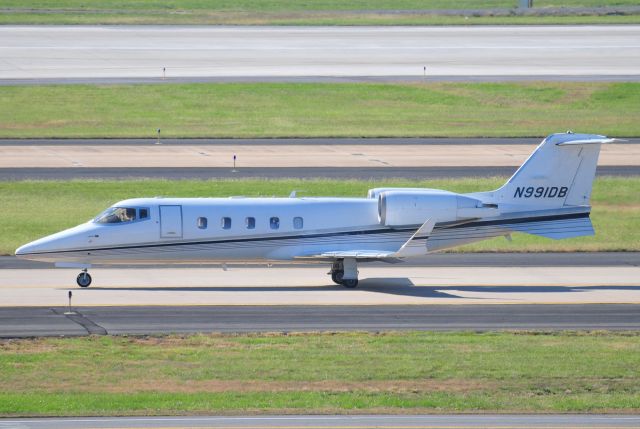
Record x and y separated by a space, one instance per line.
404 286
226 288
392 286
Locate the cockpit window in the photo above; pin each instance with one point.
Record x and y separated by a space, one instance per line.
117 215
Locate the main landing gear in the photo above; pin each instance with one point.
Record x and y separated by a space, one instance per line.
83 279
345 272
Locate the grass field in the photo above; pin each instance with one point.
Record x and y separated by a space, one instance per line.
322 373
289 12
319 110
32 209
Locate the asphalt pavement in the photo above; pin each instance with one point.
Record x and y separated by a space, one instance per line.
148 320
459 421
311 141
203 173
317 79
94 53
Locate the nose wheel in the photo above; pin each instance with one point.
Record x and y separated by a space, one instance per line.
83 279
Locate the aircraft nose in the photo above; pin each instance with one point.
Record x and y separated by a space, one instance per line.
50 246
26 249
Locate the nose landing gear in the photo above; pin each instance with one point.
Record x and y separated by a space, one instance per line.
345 272
83 279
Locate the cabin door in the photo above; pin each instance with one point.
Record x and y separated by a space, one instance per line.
170 221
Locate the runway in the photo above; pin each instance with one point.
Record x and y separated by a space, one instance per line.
457 421
99 52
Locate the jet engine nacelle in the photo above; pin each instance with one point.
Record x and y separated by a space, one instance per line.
402 208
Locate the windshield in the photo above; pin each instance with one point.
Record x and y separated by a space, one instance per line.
116 215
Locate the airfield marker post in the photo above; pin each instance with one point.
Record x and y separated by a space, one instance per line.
70 294
234 163
158 141
164 74
424 73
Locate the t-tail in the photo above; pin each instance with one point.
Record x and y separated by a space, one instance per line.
550 193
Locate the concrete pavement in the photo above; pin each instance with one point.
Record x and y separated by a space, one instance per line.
97 52
379 285
287 156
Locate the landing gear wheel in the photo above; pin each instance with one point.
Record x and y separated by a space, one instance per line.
336 276
338 270
350 283
83 279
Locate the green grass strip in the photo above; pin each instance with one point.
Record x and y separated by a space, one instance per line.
148 404
322 373
320 110
291 12
33 209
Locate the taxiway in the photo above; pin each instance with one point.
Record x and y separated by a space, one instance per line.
349 158
310 285
291 298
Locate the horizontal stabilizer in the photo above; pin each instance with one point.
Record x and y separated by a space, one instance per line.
588 141
557 229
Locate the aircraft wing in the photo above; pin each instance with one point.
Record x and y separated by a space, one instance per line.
358 254
415 246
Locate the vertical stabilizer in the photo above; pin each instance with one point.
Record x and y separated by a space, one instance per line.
558 173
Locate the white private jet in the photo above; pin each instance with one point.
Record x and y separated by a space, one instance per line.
548 196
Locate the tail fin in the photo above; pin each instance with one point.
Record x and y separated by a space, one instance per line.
558 173
550 193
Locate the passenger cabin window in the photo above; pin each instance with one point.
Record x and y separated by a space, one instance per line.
298 223
144 214
202 222
225 223
274 222
117 215
250 222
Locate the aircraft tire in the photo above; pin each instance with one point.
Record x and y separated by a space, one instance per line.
83 279
336 276
350 283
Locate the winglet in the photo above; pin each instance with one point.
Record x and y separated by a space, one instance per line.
415 245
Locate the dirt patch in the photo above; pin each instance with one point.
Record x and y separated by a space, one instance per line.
218 386
27 346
